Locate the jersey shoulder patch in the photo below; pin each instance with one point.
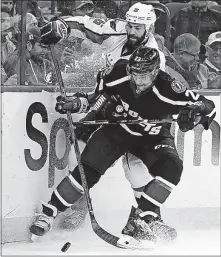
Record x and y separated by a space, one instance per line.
178 86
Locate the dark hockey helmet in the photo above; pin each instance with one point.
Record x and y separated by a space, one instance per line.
144 60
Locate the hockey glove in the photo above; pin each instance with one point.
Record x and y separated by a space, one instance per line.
190 116
84 131
54 31
71 103
114 109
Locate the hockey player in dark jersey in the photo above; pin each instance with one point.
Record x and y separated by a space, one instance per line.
135 89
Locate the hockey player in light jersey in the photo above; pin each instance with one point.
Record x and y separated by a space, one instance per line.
121 37
134 89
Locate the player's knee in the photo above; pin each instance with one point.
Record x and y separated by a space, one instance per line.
92 175
170 168
173 169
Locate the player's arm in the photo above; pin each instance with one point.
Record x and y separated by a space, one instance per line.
200 110
191 107
95 29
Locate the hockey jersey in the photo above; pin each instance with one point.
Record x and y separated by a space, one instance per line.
112 33
165 98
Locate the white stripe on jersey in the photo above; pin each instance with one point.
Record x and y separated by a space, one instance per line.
210 114
76 184
169 101
101 84
62 199
130 131
166 182
118 81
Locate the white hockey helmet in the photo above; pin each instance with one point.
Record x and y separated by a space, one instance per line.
141 14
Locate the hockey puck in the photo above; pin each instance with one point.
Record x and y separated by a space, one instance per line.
65 247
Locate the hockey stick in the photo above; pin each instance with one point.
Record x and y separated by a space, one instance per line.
104 122
103 234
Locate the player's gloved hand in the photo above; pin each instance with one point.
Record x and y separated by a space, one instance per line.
84 131
190 116
114 110
54 31
73 103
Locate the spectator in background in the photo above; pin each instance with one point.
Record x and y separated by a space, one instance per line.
199 20
8 4
7 47
213 61
99 13
172 72
185 60
33 8
31 21
108 8
76 8
38 70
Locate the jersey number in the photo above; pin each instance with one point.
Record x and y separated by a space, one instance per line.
99 22
152 128
194 96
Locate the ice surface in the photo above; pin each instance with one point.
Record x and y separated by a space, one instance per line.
198 228
85 242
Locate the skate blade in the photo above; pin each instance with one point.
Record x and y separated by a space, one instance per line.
128 242
34 238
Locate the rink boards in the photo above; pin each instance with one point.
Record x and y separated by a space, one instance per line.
35 159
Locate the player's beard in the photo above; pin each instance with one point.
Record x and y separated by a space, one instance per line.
134 40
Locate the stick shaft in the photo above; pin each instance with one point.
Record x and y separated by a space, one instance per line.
103 234
104 122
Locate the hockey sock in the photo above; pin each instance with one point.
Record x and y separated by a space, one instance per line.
154 195
66 193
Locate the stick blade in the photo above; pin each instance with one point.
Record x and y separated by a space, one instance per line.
103 234
128 242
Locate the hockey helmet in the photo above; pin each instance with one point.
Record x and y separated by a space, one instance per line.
144 60
144 65
141 14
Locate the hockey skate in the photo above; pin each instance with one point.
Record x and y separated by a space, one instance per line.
43 222
144 234
162 231
137 234
75 215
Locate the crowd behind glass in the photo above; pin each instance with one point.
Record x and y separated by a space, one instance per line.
193 49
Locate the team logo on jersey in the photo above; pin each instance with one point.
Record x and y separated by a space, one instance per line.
119 108
178 87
